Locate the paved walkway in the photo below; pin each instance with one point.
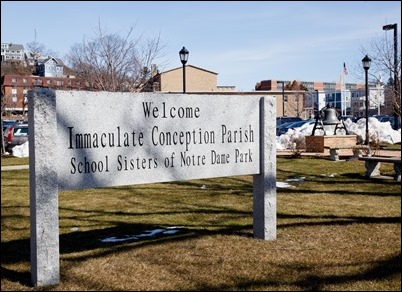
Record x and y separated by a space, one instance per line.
342 152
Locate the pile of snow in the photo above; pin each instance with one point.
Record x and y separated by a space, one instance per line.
381 132
21 150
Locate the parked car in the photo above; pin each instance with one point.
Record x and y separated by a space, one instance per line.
382 118
390 119
15 135
282 120
352 118
282 129
8 123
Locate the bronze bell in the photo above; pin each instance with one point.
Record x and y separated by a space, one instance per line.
330 116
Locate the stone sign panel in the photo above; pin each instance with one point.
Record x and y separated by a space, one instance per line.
110 139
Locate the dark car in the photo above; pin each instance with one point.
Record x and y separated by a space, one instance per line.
390 119
282 129
382 118
352 118
8 123
282 120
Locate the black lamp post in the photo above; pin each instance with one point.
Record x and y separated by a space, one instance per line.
283 97
183 58
395 28
366 65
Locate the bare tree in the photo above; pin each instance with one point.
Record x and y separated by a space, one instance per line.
381 53
111 62
35 49
295 105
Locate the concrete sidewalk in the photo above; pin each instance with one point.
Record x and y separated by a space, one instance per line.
342 152
14 167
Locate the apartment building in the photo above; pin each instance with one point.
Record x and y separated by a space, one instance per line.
16 87
312 95
12 52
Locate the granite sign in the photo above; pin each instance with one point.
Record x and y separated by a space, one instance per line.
99 139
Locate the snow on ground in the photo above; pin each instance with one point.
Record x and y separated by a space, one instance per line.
21 150
378 131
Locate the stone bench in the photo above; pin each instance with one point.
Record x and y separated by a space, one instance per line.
334 152
373 164
357 151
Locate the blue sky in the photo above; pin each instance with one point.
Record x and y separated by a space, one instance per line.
243 41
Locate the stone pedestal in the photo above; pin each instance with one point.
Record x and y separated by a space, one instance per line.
322 144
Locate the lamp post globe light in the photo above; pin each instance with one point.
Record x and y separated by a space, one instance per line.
366 61
183 53
395 28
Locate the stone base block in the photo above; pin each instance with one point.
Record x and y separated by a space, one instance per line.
322 144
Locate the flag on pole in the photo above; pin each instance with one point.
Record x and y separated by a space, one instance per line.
345 70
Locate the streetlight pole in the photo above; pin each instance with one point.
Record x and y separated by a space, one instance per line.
183 53
395 28
283 97
366 65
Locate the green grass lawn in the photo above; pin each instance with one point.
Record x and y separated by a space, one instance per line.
7 160
336 231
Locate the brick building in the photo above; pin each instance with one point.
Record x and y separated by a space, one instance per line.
197 80
16 87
